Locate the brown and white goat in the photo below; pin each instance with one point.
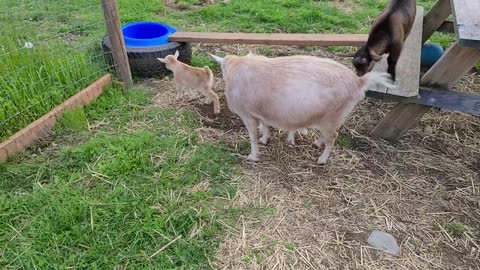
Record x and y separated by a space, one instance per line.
387 36
186 76
292 93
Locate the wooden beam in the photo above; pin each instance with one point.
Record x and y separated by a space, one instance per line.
408 66
399 120
322 40
467 22
41 127
451 67
446 27
435 17
450 100
115 34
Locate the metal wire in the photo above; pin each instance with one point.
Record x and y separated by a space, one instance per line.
65 67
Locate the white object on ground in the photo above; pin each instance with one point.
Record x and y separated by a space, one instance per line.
384 241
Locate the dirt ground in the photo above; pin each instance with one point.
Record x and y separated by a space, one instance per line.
319 217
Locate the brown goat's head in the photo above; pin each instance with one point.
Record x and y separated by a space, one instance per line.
364 60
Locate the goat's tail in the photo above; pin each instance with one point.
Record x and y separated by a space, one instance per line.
210 75
371 79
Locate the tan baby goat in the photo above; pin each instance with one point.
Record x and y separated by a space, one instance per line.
189 77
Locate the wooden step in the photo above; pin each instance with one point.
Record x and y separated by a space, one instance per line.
322 40
408 66
467 22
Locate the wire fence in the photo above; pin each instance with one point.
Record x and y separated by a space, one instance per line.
49 51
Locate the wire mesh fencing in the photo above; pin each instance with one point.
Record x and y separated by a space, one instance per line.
49 51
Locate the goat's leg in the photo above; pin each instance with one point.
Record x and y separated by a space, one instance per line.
265 130
251 124
179 89
210 96
395 51
329 137
291 137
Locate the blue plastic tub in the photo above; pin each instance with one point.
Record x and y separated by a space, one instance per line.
146 34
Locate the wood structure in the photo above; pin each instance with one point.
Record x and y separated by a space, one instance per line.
414 100
119 51
445 74
41 127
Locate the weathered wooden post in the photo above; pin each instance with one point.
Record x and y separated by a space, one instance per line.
114 31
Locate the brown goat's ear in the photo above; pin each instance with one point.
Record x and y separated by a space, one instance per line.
176 54
374 55
162 60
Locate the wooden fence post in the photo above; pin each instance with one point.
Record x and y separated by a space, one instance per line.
114 31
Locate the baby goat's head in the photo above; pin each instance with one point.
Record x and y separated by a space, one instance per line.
170 60
364 60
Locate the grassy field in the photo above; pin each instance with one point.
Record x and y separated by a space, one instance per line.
124 184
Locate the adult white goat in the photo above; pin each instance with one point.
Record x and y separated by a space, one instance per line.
292 93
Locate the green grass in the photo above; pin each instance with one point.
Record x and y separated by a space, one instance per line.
116 196
455 228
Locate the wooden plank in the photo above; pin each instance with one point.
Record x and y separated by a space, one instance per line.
446 27
450 100
398 121
322 40
115 34
451 67
467 22
408 66
42 126
435 17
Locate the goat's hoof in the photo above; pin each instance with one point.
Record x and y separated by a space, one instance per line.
263 140
322 161
253 158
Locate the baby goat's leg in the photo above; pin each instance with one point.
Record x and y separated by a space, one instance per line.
329 137
179 88
212 96
251 125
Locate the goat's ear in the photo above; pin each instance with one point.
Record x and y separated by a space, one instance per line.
218 59
176 54
162 60
374 55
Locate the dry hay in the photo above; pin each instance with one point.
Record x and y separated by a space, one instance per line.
305 216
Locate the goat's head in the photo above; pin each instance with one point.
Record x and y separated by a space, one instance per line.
364 60
170 60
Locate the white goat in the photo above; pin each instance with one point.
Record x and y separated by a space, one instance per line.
264 130
186 76
292 93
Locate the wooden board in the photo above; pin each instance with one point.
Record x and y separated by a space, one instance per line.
435 18
408 66
451 67
467 22
322 40
450 100
41 127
